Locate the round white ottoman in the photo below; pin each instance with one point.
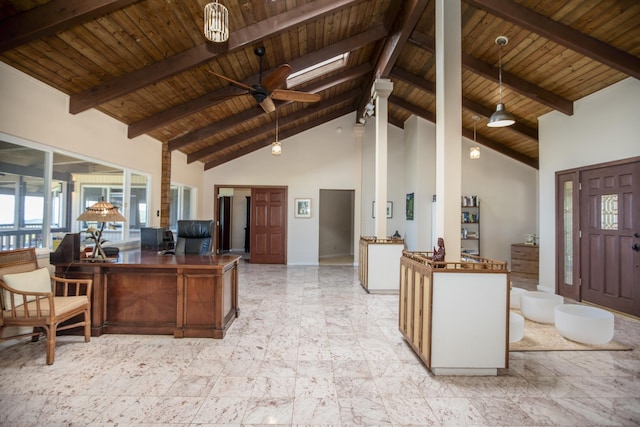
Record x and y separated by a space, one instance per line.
514 297
585 324
538 306
516 327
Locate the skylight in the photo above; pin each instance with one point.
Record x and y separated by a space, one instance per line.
317 70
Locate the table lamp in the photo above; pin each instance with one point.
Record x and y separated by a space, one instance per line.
101 212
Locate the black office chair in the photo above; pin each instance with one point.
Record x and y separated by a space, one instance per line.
194 237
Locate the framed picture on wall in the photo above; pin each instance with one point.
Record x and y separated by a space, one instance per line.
389 209
303 208
410 206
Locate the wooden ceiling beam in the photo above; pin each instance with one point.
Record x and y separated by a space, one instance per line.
209 100
283 135
487 142
404 24
484 111
283 121
502 149
561 34
412 108
53 17
199 54
467 103
490 72
238 119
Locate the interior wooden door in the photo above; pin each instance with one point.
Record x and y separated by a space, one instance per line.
224 223
568 235
268 225
610 243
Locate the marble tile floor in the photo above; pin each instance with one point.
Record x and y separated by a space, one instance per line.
310 347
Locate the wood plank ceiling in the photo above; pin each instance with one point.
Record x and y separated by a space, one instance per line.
146 63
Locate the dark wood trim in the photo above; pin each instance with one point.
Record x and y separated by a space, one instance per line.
199 54
561 34
53 17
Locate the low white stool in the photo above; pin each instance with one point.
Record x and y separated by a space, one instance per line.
539 306
514 297
585 324
516 327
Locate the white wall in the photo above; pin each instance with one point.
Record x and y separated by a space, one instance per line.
323 157
36 113
419 179
605 127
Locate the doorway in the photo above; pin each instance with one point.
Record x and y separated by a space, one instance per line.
251 222
598 235
336 227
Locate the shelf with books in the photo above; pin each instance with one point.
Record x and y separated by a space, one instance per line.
470 225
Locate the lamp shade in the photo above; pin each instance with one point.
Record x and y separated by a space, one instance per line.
276 148
216 22
102 212
474 153
501 117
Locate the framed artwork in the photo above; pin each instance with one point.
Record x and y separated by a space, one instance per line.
410 206
389 209
303 208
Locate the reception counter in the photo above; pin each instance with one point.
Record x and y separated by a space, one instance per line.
145 293
455 315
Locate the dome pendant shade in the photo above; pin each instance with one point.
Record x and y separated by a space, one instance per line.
501 117
216 22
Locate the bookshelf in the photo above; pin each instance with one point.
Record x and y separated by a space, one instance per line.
470 225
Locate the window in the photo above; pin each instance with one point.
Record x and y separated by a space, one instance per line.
31 198
317 70
181 204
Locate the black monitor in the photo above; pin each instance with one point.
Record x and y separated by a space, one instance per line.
156 239
68 250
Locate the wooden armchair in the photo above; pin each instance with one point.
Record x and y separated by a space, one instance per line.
31 297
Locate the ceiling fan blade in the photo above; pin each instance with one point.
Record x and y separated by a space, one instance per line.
268 105
233 82
292 95
276 78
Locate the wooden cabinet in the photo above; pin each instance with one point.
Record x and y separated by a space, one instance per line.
524 262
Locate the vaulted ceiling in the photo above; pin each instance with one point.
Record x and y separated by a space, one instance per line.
147 64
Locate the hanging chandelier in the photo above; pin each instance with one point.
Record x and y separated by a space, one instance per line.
276 147
216 22
474 152
501 117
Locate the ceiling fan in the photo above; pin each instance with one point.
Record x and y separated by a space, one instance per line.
267 90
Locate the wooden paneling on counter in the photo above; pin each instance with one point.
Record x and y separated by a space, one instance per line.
145 293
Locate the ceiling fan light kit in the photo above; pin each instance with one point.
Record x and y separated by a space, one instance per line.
216 22
501 117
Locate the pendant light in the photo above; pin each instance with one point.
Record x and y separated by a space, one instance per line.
501 117
216 22
474 152
276 147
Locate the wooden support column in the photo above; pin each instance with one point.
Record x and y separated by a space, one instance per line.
165 187
381 90
448 124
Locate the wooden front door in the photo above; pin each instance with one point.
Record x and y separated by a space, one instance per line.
268 225
610 243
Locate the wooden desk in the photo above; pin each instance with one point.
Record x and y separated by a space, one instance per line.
145 293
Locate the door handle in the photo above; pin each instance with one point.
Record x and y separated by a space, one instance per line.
636 247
